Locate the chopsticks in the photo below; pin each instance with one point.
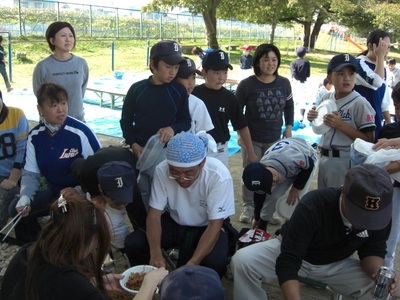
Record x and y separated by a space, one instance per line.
16 218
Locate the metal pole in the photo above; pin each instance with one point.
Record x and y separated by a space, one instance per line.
9 56
19 17
147 53
91 20
112 56
192 27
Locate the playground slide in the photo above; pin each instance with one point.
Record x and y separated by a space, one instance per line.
351 41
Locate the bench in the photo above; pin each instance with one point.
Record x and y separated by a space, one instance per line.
115 95
230 47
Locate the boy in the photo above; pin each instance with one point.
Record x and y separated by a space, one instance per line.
157 105
198 111
393 76
354 118
322 90
300 67
246 62
222 105
3 71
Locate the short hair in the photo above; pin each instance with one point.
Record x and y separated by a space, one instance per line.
56 27
391 61
156 61
396 92
51 91
260 51
197 51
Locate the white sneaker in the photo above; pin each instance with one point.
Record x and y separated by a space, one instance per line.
274 220
247 215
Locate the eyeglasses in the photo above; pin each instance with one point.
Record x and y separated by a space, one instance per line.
187 178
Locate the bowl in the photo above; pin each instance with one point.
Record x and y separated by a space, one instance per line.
135 269
118 74
284 210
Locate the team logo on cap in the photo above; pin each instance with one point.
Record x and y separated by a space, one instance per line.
372 203
255 182
176 47
120 182
189 63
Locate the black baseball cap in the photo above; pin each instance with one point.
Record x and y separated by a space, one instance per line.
168 51
340 61
216 60
187 69
301 51
257 178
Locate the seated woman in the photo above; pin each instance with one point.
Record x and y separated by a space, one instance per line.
52 147
65 262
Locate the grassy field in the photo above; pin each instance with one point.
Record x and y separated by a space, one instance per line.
130 57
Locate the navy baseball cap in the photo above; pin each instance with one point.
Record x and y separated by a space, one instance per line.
116 179
340 61
187 69
216 60
257 178
168 51
368 195
192 282
301 51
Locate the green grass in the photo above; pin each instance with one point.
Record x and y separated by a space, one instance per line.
130 57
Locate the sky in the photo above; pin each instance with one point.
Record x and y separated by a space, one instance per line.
111 3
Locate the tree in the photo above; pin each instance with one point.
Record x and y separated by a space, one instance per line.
208 9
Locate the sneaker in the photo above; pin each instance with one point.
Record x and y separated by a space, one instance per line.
9 89
274 220
247 214
174 254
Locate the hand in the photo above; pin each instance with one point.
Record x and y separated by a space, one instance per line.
111 283
312 114
69 191
137 150
333 120
240 142
22 202
254 224
166 134
293 197
155 276
8 184
381 49
251 158
157 260
383 143
288 132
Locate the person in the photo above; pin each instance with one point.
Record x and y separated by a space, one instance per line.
300 67
52 147
186 76
192 282
353 119
198 194
325 87
63 67
199 53
393 74
246 62
327 226
156 105
86 171
3 64
222 105
65 262
268 99
391 131
288 163
371 75
14 129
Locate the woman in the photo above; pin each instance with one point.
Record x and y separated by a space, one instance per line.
371 76
51 149
63 67
66 260
268 98
14 129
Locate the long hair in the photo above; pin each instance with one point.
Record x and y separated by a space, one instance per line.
66 239
260 51
51 91
373 38
56 27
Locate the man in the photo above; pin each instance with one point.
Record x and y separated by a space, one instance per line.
198 194
326 228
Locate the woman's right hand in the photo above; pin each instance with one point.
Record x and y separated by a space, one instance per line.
312 114
381 49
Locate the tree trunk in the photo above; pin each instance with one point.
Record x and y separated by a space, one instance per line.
307 31
273 25
317 28
210 21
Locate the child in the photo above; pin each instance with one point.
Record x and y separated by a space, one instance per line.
300 67
197 51
156 105
322 90
353 119
222 105
246 62
3 71
198 111
394 73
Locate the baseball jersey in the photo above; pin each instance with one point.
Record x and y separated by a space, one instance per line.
53 155
201 119
210 197
393 77
300 69
13 133
72 74
355 112
246 62
118 228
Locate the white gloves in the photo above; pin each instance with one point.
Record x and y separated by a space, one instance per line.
23 201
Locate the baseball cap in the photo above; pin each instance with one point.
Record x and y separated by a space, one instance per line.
340 61
168 51
301 51
116 179
257 178
247 47
216 60
192 282
187 69
368 197
326 81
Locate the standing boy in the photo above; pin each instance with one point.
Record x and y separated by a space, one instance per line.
222 105
354 118
393 76
156 105
246 62
300 67
3 71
